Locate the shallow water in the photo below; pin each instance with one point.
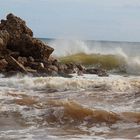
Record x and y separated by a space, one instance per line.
83 107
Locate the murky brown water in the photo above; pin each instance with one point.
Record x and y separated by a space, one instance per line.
86 107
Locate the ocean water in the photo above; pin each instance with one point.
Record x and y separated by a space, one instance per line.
84 107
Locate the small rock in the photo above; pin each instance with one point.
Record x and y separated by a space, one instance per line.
18 37
98 71
22 60
52 68
14 54
31 59
3 65
15 64
62 68
80 67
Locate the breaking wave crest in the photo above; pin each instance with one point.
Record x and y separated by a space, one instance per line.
130 65
86 82
109 56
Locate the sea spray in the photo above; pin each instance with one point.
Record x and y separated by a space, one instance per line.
70 47
85 82
109 55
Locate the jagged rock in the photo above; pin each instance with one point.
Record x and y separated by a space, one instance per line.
15 26
15 64
14 54
62 68
33 47
98 71
71 68
34 65
80 67
53 61
21 39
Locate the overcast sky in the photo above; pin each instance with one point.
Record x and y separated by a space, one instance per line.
117 20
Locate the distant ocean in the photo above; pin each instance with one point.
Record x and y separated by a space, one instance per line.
84 107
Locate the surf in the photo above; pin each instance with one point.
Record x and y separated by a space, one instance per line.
120 57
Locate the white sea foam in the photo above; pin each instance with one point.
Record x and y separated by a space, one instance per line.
116 83
89 88
69 47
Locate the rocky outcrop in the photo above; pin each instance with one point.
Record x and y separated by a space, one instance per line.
21 52
29 46
18 37
18 47
16 27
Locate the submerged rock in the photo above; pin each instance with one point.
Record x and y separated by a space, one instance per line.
98 71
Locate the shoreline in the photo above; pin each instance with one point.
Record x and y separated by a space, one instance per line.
21 52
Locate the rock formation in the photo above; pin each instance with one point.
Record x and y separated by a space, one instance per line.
21 52
18 37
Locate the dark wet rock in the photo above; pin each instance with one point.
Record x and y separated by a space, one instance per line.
3 65
80 67
52 68
53 61
98 71
62 67
33 47
14 54
71 68
36 65
70 65
65 75
80 73
15 64
52 73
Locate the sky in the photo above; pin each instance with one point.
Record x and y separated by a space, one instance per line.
114 20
